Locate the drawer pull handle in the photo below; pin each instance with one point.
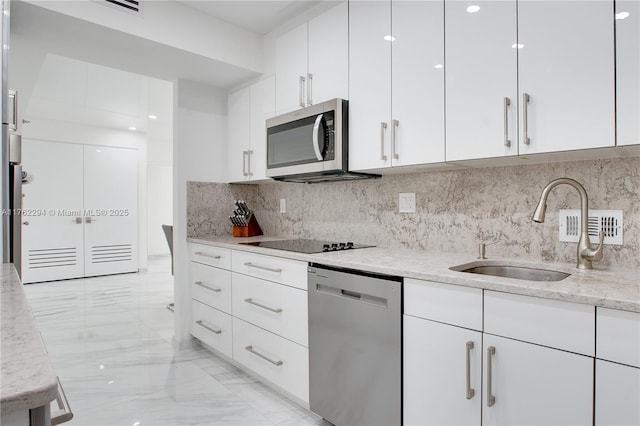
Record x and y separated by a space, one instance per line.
266 268
253 351
491 399
213 330
212 256
470 392
208 287
260 305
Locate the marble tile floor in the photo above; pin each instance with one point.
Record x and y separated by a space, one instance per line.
110 342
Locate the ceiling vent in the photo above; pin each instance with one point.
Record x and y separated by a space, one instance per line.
607 221
130 6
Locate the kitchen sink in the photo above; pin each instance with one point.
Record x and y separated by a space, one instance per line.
510 271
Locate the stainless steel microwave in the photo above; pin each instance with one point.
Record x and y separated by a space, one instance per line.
311 144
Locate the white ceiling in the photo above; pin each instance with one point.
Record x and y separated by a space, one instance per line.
259 17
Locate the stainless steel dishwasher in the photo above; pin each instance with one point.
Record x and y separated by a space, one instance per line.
355 346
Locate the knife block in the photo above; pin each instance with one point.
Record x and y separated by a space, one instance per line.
251 230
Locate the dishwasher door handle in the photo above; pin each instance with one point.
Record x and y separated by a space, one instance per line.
352 295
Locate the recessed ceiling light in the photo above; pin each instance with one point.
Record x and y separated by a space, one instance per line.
153 117
438 66
622 15
473 8
132 128
517 46
389 38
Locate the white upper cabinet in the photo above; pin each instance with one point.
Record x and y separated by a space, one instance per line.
628 71
312 61
247 111
566 67
403 126
482 86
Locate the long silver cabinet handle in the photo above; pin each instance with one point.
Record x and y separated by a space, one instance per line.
394 138
507 102
525 118
253 351
302 91
208 287
213 330
309 89
491 399
245 154
64 414
266 268
383 128
212 256
260 305
470 392
249 154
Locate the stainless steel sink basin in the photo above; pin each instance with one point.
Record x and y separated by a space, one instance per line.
516 272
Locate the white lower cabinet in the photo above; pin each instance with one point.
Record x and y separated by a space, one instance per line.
212 327
279 360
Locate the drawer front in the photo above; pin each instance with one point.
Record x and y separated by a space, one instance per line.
618 336
274 307
210 255
278 360
212 327
450 304
290 272
211 286
561 325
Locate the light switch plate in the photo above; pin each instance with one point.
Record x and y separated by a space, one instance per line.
283 205
407 202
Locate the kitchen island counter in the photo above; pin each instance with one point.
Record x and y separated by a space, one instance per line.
615 289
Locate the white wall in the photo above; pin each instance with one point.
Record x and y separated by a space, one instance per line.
199 154
58 131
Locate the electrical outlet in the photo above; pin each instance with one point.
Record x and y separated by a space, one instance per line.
283 205
407 202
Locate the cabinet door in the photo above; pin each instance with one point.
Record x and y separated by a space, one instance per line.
239 112
535 385
262 107
329 55
369 84
435 369
418 82
111 196
617 394
565 65
52 244
291 65
481 74
628 71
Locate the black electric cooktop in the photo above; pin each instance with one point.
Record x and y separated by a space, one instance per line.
308 246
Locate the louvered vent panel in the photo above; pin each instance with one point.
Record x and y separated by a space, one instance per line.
131 6
111 253
609 221
52 257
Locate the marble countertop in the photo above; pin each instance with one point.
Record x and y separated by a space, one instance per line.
27 379
616 289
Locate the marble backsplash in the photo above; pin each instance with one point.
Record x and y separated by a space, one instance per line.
455 210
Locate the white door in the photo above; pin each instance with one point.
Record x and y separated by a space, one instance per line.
617 394
481 79
535 385
329 55
417 82
111 207
435 373
291 70
566 66
239 134
627 71
52 230
262 107
369 84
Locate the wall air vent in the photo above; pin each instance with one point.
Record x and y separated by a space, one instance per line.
609 221
130 6
111 253
52 257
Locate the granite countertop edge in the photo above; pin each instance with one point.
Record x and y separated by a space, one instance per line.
27 377
615 289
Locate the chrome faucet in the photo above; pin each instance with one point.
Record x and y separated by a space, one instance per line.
586 254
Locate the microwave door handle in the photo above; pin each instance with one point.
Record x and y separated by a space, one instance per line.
316 126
